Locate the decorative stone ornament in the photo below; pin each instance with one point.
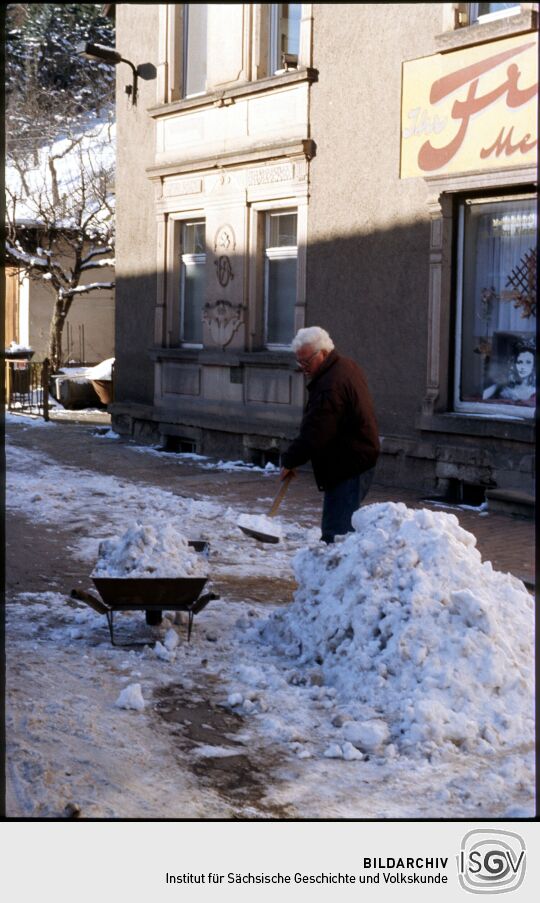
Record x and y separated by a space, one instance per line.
225 240
223 270
223 320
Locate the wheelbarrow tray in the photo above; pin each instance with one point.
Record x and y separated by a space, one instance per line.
153 594
132 593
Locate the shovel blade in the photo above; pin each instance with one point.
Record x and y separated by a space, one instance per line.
262 537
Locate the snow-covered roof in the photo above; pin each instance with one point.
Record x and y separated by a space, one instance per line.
86 153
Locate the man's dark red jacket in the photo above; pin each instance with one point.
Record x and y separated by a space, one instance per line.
338 432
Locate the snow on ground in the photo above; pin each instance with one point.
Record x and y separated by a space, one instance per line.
204 462
59 494
397 685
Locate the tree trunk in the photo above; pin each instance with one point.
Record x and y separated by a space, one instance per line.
54 353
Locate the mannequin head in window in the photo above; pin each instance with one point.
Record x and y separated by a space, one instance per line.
519 386
522 369
521 377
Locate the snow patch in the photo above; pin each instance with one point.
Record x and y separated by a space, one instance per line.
131 698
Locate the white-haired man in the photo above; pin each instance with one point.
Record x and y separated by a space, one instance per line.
338 433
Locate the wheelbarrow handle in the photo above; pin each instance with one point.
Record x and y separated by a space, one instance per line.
91 600
280 494
202 602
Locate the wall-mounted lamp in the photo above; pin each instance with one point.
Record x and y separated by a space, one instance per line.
109 55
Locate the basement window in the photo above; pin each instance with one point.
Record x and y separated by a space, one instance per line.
179 445
262 457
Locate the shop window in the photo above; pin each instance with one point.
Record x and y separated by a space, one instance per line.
195 56
280 277
285 21
496 311
487 12
192 281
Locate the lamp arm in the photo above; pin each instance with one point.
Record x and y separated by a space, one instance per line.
132 89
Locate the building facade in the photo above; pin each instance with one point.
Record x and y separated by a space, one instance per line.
370 168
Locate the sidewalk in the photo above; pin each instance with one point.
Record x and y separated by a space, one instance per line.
79 439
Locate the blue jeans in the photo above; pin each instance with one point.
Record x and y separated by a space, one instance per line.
341 502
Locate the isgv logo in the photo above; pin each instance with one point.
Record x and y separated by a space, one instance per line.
491 861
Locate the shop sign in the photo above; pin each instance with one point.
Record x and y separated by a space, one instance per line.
471 110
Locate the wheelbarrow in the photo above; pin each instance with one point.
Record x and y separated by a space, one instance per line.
149 594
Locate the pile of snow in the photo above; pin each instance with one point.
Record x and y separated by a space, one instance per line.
149 551
131 697
427 647
101 371
261 523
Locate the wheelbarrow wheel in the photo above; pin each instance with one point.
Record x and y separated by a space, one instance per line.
154 617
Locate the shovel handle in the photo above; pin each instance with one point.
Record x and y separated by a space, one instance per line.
280 494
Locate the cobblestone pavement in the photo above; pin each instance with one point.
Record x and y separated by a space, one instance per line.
74 439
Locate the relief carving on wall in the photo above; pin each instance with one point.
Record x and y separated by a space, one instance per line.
223 320
223 270
225 240
268 174
173 187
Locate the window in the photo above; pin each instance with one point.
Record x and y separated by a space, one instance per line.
280 277
486 12
195 29
192 279
496 317
284 35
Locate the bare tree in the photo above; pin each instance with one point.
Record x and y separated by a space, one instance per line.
60 216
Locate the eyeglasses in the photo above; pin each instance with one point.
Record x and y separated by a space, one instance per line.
307 361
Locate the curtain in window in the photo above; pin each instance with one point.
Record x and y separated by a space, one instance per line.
498 317
505 240
195 30
193 270
193 292
280 277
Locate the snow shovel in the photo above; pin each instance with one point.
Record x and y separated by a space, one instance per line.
270 537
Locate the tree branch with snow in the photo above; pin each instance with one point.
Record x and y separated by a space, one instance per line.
60 220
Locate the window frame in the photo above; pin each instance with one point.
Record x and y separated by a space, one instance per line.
284 252
170 81
274 62
477 408
474 18
195 259
185 36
